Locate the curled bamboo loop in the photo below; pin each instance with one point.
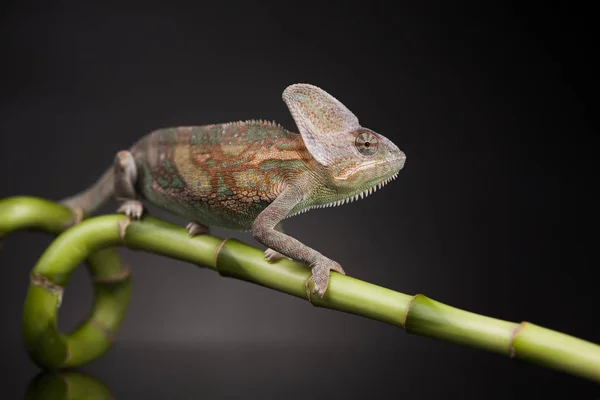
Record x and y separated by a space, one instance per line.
46 346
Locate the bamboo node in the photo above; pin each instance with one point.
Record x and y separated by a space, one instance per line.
408 310
121 276
68 353
47 284
513 336
67 385
122 226
103 328
217 253
77 216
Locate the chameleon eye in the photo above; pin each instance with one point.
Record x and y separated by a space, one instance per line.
366 143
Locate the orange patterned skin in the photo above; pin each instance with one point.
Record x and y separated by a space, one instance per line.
219 175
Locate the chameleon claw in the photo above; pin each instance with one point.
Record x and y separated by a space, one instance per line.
307 288
272 255
132 208
195 228
320 276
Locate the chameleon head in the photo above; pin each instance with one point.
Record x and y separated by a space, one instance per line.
357 159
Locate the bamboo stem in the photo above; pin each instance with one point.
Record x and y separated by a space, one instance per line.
30 213
417 314
112 289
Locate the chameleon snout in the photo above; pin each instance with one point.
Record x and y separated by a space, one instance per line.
400 160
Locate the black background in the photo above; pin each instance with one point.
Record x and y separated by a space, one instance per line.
492 212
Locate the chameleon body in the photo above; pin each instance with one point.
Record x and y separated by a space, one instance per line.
251 175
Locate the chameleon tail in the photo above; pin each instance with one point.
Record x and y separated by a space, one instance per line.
94 197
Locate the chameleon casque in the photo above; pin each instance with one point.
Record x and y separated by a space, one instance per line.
251 175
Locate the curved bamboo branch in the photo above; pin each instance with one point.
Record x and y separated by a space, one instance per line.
112 290
416 314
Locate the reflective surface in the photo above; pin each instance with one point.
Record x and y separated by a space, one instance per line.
67 385
253 371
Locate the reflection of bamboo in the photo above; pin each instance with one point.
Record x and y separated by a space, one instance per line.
48 347
66 386
416 314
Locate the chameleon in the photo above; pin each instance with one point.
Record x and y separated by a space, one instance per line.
251 175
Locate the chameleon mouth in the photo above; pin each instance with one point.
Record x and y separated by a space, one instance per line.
350 199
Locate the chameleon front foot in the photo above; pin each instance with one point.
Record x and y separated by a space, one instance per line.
195 228
272 255
132 208
320 276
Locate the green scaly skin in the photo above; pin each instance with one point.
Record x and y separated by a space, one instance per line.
251 175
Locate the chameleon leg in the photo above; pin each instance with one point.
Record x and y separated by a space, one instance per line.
263 230
196 228
272 255
125 175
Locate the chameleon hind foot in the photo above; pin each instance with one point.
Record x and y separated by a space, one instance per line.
320 276
132 208
272 255
195 228
125 176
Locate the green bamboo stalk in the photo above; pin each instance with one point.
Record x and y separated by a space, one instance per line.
30 213
416 314
112 288
66 386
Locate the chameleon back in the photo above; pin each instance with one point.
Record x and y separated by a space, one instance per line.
219 175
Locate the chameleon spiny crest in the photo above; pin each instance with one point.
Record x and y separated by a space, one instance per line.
251 175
